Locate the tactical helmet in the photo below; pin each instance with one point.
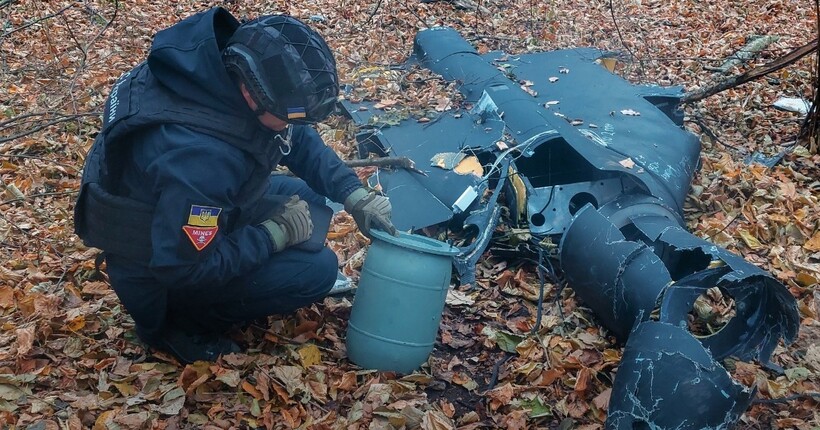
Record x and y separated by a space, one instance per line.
286 66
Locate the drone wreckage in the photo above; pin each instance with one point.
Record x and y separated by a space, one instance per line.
584 157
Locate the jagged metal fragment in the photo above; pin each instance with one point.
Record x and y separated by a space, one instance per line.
668 380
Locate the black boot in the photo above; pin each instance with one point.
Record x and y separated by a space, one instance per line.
188 347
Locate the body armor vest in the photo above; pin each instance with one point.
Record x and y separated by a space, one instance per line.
122 225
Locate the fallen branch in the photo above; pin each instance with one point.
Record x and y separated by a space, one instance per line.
749 51
751 75
39 127
38 20
402 162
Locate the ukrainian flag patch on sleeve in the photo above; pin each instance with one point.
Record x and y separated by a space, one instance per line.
296 112
202 225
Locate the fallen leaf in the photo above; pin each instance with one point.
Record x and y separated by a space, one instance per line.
435 420
25 340
310 355
749 239
458 298
627 162
443 104
469 165
385 103
6 296
813 244
601 401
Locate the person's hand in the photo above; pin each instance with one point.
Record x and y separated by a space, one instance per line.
370 210
290 225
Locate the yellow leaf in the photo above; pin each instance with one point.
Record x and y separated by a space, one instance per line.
469 165
310 355
806 279
750 240
609 63
813 244
76 324
104 419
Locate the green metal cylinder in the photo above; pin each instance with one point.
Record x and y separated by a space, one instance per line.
399 301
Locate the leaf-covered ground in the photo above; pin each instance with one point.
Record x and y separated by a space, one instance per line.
68 354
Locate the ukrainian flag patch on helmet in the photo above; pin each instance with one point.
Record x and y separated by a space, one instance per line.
296 112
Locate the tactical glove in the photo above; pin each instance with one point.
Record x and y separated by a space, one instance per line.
370 210
290 225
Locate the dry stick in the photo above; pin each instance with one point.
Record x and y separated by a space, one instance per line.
70 5
751 75
84 50
752 48
620 36
48 124
373 13
402 162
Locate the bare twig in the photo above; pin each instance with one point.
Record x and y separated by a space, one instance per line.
31 196
402 162
38 20
84 50
618 29
373 13
47 160
752 48
751 75
802 396
47 124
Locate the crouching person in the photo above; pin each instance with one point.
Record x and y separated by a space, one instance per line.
177 188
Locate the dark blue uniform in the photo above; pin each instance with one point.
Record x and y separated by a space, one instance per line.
183 154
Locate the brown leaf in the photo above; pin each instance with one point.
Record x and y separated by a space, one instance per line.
134 421
583 380
247 386
105 418
96 288
500 396
601 401
347 383
447 408
6 296
10 276
25 340
435 420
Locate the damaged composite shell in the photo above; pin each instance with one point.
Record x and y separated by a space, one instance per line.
701 395
620 280
624 279
627 269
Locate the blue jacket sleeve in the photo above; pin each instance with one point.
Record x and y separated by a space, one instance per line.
319 166
196 173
